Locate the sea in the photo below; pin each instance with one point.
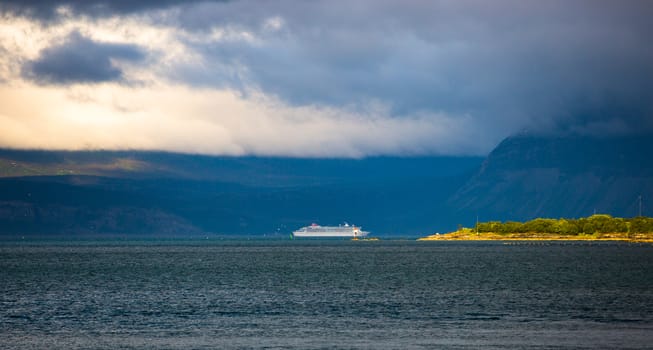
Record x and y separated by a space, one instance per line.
285 294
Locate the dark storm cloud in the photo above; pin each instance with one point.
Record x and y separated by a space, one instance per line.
503 66
555 65
81 60
47 9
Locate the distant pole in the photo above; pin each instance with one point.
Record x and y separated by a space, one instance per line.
477 224
640 205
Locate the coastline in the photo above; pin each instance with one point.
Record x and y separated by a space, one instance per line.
469 235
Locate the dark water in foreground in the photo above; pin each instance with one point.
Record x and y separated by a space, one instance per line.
303 295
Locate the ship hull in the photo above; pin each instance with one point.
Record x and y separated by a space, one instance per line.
305 234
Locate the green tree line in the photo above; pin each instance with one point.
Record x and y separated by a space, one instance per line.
595 224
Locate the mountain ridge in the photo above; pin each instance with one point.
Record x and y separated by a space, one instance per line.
257 196
523 178
559 177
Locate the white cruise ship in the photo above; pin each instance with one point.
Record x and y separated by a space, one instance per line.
316 230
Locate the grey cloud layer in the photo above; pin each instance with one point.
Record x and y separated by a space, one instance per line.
80 60
579 66
569 65
46 10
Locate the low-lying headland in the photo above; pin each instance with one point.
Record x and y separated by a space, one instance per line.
594 228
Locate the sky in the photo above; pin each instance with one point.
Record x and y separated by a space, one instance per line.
320 78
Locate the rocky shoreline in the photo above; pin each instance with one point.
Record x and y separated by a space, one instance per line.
471 235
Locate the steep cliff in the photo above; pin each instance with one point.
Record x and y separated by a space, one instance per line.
534 176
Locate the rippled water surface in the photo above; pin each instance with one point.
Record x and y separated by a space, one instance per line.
326 294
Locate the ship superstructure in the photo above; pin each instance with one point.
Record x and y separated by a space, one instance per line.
316 230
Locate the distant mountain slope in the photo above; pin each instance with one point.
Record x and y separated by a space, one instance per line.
527 177
98 192
176 194
251 171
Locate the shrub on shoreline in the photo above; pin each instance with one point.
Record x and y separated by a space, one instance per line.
592 225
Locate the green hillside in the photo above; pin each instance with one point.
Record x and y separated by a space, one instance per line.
595 227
